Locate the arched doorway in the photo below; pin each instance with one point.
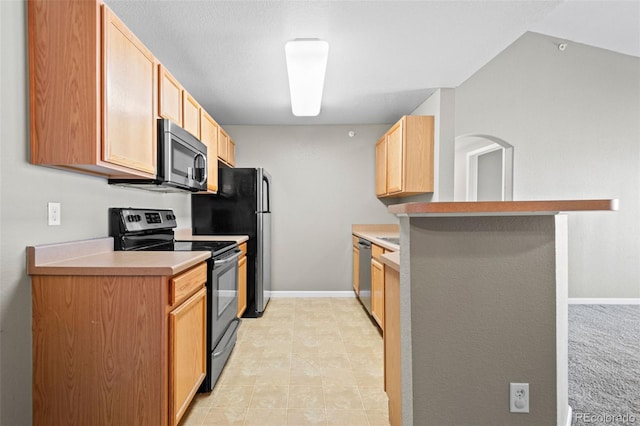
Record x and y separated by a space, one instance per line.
483 169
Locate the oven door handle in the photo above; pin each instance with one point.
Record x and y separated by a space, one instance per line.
231 258
229 341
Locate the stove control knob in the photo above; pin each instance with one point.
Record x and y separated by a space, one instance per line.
138 218
129 218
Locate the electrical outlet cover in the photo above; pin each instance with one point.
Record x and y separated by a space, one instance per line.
53 214
519 397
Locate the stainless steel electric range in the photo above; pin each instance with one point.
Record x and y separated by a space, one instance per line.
152 230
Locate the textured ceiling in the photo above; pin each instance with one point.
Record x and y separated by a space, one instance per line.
385 57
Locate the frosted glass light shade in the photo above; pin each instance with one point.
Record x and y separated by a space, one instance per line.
306 67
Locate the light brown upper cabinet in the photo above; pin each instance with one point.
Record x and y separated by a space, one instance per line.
381 166
404 158
226 148
209 137
93 91
129 126
231 153
170 105
190 114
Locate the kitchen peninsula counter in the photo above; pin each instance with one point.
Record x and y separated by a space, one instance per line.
482 302
97 257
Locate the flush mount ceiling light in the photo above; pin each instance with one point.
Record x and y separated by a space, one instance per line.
306 66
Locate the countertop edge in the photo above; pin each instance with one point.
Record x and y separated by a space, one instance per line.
371 236
502 208
391 260
91 257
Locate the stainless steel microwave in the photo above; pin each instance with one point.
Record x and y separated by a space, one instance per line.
182 162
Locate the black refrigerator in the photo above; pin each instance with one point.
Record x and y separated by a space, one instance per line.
241 207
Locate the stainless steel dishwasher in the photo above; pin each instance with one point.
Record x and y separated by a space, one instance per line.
365 273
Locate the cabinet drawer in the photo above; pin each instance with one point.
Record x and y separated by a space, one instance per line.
243 248
376 251
354 240
185 284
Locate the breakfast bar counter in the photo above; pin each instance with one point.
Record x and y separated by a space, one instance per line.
483 303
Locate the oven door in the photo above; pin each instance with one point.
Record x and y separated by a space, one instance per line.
224 294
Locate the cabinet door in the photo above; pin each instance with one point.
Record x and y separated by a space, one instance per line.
392 348
356 270
242 285
223 144
395 157
170 97
231 154
130 93
209 136
187 356
377 292
381 167
190 114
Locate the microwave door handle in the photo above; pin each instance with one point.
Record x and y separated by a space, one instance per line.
195 168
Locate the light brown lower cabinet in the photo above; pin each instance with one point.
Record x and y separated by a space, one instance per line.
377 285
187 359
242 285
117 350
356 266
392 348
377 292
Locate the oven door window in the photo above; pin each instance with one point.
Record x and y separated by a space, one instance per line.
227 289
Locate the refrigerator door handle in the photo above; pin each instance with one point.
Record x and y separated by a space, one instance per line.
267 194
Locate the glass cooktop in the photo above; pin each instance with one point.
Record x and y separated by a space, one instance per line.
215 247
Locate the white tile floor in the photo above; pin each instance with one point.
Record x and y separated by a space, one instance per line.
305 362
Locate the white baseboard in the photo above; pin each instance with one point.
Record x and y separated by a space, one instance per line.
290 294
604 301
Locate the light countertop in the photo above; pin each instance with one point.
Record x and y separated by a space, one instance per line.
374 232
96 257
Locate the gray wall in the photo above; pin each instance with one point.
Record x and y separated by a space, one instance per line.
573 119
483 315
323 182
25 191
